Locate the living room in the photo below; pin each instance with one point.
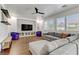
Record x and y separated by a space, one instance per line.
26 28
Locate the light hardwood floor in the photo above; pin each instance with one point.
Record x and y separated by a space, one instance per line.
20 47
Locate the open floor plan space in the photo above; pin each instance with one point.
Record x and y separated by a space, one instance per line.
39 29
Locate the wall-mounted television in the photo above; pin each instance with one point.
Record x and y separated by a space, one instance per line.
26 27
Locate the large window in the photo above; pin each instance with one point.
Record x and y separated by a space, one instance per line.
60 24
73 22
66 23
49 25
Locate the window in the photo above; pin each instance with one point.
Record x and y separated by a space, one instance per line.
73 22
60 24
49 25
66 23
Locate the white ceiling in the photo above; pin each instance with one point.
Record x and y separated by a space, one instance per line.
26 10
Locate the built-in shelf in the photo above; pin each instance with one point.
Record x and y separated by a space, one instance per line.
23 34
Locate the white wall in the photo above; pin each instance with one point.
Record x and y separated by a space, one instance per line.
13 26
3 29
39 22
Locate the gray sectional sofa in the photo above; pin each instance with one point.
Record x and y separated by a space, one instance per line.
50 36
60 46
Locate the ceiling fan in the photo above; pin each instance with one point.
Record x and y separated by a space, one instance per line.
37 12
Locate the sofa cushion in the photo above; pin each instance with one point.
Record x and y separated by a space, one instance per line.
57 43
44 50
50 38
36 46
69 49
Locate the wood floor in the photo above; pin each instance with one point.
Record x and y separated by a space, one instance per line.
20 47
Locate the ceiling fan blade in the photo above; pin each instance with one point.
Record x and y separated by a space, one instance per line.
36 10
41 13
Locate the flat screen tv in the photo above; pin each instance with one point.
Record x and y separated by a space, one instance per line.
26 27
